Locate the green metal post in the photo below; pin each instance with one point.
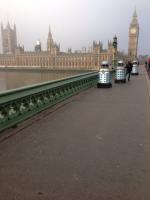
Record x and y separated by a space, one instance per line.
115 45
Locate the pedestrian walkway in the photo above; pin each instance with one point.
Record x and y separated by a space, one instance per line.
97 147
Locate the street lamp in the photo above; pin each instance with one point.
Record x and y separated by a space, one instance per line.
115 44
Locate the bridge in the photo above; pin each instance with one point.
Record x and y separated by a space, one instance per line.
85 143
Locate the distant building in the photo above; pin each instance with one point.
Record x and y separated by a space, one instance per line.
9 39
133 37
55 59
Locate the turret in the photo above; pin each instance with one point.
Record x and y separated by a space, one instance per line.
8 25
97 47
9 39
38 46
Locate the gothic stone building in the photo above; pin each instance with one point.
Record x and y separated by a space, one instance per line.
53 58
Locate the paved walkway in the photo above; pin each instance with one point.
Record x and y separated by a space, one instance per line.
97 147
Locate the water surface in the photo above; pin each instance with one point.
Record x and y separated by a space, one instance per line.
13 78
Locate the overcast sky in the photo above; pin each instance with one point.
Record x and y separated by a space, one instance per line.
76 23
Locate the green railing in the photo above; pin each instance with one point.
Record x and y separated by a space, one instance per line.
20 104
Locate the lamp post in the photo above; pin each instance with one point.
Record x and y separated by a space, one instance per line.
115 44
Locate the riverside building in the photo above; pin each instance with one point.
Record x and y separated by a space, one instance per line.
54 58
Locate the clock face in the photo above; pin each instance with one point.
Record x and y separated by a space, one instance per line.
133 30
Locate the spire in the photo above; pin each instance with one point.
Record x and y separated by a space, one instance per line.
49 33
8 25
135 13
135 17
50 42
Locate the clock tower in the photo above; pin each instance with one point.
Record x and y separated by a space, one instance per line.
133 37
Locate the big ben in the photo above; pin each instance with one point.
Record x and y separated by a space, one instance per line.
133 37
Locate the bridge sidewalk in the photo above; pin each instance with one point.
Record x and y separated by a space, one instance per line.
97 147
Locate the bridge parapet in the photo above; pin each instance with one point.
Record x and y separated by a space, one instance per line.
20 104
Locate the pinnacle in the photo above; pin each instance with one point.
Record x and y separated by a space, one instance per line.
135 13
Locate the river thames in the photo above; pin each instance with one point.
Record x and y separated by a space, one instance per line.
16 78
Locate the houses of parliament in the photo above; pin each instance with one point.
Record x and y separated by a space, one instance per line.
53 58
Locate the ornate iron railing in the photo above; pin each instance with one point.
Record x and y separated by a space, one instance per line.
20 104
